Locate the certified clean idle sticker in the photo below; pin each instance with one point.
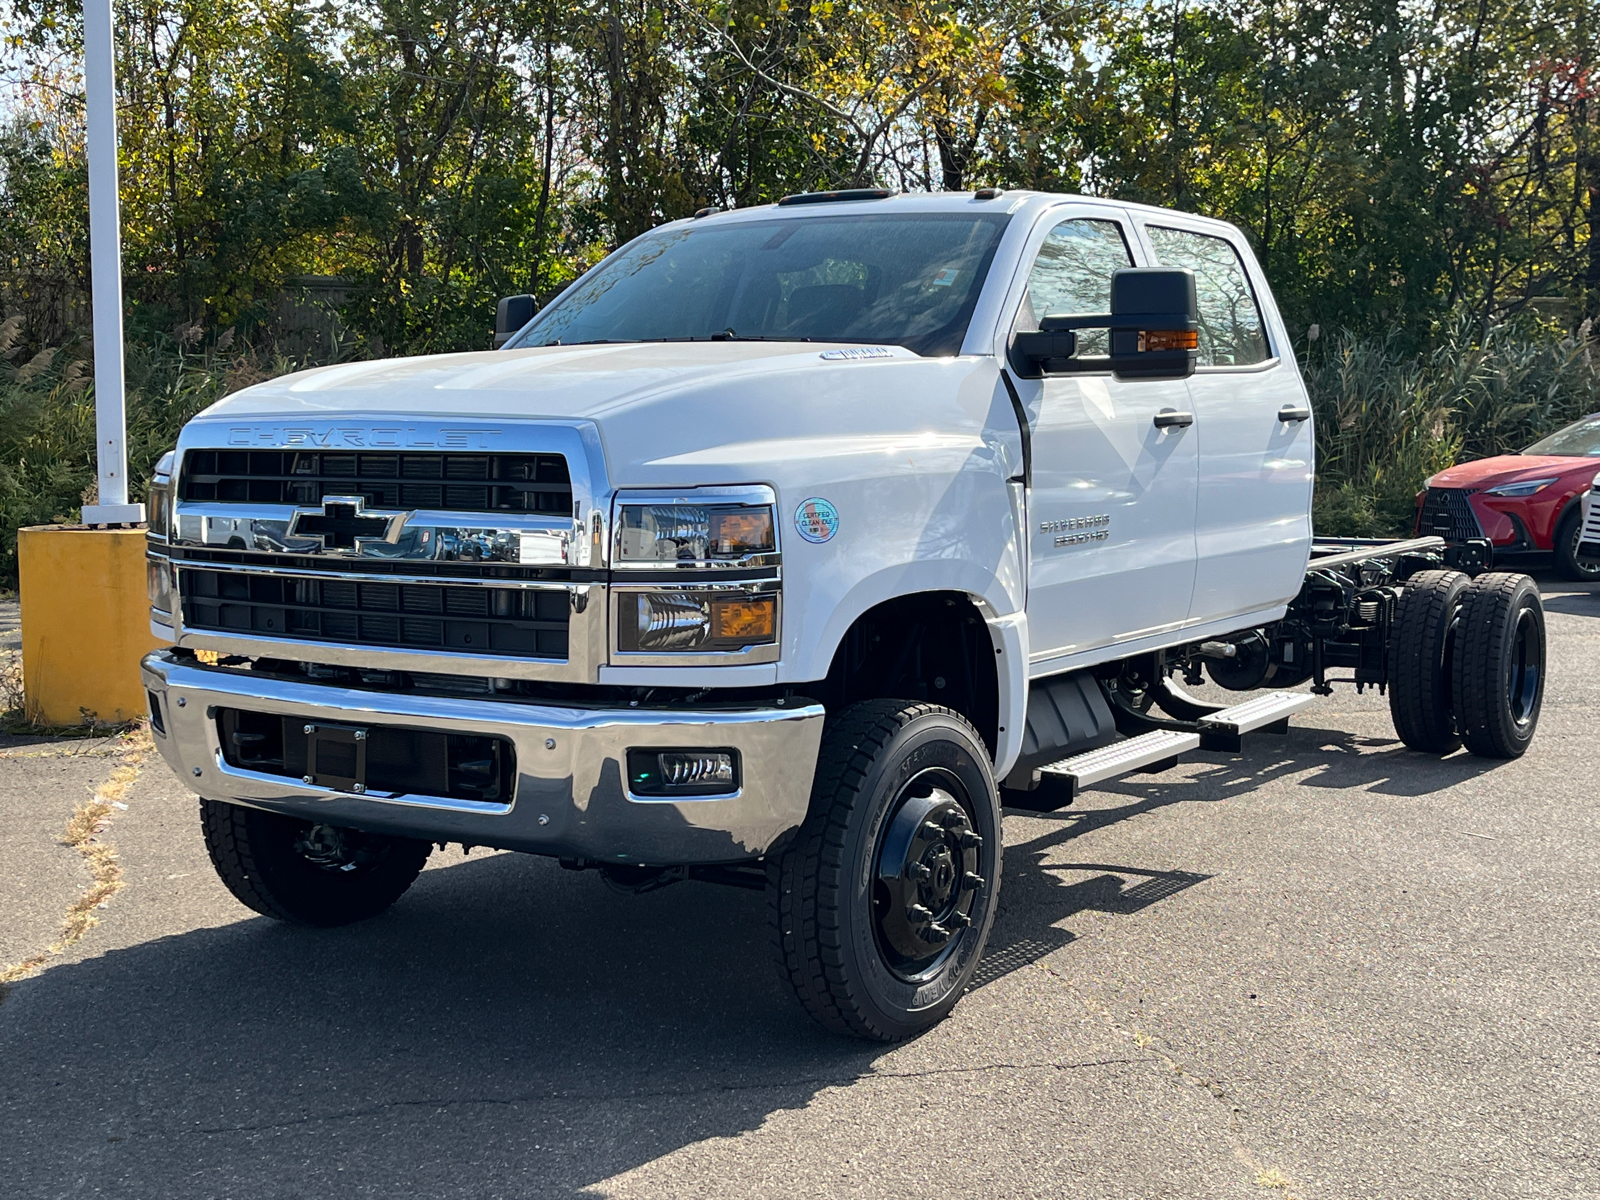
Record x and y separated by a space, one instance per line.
816 519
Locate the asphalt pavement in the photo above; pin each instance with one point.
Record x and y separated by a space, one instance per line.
1327 968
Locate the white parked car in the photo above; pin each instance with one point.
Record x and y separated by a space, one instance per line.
780 551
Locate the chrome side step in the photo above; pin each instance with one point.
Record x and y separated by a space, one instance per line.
1149 752
1268 714
1158 750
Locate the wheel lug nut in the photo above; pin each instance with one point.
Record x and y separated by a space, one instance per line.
959 919
952 819
971 841
918 914
972 883
918 871
933 829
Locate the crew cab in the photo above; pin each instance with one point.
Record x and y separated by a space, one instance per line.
780 551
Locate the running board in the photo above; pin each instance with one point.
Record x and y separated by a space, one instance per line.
1149 752
1224 731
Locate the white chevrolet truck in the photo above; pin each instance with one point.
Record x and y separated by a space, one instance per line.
782 550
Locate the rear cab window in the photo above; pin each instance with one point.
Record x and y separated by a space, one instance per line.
1232 332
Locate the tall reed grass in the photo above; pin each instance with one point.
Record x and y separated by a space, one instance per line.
1386 421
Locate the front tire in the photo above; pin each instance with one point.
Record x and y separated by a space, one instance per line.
1569 532
881 904
1420 660
1498 677
307 874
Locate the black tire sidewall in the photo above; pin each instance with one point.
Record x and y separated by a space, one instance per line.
1568 530
308 894
1420 674
1483 708
931 740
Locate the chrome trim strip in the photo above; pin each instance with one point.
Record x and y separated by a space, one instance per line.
1265 364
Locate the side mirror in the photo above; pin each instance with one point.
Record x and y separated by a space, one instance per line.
1154 326
510 315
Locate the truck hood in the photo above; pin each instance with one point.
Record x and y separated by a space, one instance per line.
669 414
560 382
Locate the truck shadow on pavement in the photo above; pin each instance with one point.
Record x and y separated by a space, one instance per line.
1034 899
507 1030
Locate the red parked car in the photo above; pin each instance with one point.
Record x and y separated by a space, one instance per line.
1523 503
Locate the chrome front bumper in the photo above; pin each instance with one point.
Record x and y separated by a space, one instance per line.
571 798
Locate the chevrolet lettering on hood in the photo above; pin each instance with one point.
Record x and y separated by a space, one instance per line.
376 437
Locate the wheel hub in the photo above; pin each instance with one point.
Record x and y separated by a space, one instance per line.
927 877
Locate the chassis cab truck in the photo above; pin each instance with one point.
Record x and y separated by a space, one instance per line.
780 551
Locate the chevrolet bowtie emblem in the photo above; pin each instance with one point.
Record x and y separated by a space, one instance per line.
345 526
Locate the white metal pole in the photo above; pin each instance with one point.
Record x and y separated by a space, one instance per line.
105 255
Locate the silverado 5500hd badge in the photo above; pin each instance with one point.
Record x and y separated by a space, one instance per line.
1076 531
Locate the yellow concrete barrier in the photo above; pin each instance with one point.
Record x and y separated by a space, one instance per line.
85 623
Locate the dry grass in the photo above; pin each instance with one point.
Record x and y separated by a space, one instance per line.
83 833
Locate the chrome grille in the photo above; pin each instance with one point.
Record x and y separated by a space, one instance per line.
531 483
1446 513
524 622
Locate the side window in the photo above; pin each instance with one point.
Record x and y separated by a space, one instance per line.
1231 332
1073 275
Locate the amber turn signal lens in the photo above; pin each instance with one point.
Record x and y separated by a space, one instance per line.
744 620
742 532
1168 339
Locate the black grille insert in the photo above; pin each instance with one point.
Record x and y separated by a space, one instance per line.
1447 514
525 622
534 483
398 761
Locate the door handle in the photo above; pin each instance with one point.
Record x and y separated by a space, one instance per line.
1294 413
1171 418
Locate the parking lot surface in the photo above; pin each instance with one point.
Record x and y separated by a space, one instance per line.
1325 968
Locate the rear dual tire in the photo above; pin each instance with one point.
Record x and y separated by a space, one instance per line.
1497 678
1466 663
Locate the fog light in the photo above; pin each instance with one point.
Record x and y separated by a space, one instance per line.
668 773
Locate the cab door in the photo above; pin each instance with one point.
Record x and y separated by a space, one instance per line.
1111 509
1253 427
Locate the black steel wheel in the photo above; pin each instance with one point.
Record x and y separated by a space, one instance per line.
305 873
881 904
1569 533
1421 650
1498 675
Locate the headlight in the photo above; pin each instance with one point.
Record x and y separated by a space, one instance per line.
1525 488
695 620
158 575
160 506
663 534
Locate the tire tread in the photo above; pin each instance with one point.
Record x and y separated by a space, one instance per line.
806 877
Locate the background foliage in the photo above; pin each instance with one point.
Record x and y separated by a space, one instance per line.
1421 181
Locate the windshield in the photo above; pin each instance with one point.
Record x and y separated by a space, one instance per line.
903 279
1581 439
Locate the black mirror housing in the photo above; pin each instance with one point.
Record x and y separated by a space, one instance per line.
510 315
1154 327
